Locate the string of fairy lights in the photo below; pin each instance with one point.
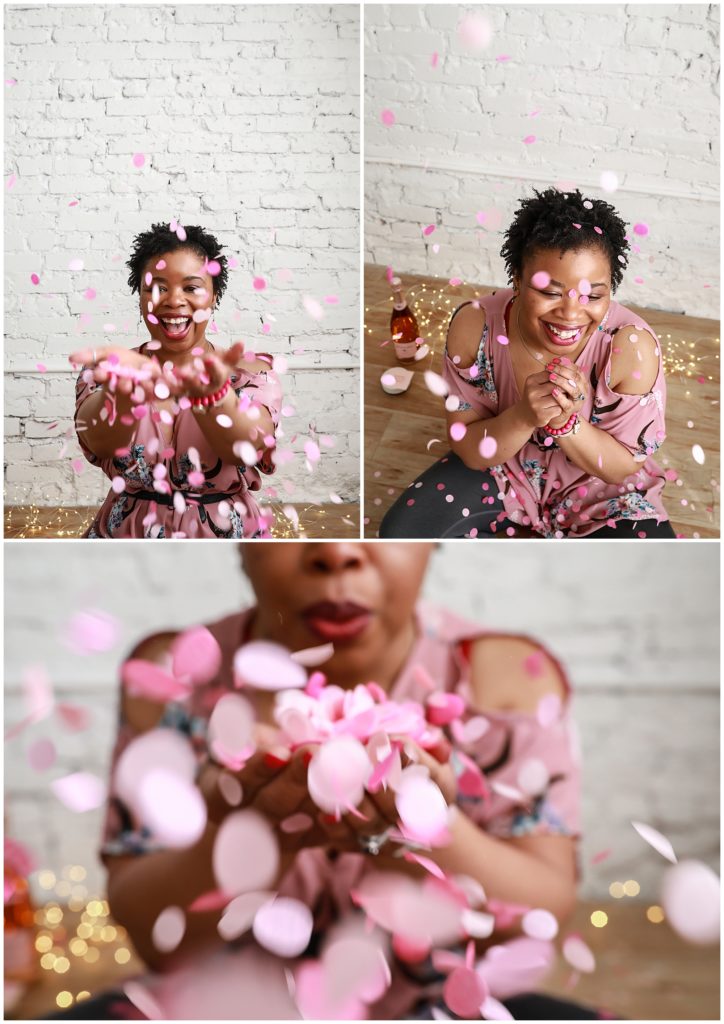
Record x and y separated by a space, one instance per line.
694 361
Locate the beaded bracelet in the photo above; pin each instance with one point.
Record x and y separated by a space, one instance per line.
572 426
205 402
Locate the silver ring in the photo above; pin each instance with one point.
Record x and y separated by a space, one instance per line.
373 844
579 398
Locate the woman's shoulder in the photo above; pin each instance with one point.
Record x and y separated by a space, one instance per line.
513 672
633 354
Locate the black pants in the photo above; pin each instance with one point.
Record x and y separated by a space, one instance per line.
451 500
117 1006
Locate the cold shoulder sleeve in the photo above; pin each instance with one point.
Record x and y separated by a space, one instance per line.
260 388
532 775
635 421
473 386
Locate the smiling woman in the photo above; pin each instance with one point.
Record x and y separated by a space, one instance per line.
181 428
555 393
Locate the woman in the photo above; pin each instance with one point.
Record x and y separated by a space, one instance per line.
556 394
362 598
181 428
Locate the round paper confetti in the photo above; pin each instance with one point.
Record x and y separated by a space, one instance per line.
540 279
609 181
283 926
138 159
387 117
641 229
698 454
691 900
168 929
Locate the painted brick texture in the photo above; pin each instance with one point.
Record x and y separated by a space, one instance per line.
248 118
631 89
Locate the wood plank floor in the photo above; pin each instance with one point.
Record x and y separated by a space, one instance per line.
315 521
405 434
643 971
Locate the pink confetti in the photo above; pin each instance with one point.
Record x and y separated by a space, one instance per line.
313 307
548 711
434 59
259 284
331 300
539 924
298 822
41 367
540 279
503 57
118 485
464 991
429 229
246 853
138 159
80 791
578 955
488 447
529 139
213 268
283 926
267 666
458 431
77 465
35 279
638 280
602 855
474 32
196 656
92 632
231 731
641 229
454 281
73 716
435 383
89 294
75 265
311 450
502 339
387 117
338 773
698 455
578 226
152 682
239 914
691 899
168 929
443 708
11 181
609 181
659 842
171 807
422 809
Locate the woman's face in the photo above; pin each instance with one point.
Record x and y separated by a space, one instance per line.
178 287
563 296
358 596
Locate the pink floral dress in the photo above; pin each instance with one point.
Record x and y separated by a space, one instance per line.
511 741
540 487
158 499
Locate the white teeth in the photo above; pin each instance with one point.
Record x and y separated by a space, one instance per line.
565 335
176 320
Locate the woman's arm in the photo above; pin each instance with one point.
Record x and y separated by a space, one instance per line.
253 425
537 871
634 369
512 428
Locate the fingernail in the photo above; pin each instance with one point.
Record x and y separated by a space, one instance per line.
556 360
307 756
553 377
328 819
272 761
556 391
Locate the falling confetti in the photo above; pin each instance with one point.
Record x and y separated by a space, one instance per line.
138 159
387 117
474 32
660 843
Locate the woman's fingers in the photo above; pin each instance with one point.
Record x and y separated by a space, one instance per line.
233 354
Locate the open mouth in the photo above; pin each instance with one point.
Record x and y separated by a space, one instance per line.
175 327
563 335
337 621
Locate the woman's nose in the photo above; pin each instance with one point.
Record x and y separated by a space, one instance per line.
569 306
335 556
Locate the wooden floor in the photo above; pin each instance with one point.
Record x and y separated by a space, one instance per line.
405 434
643 971
315 521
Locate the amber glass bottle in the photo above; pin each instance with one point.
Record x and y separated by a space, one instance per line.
403 325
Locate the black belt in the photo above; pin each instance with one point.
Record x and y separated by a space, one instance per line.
194 499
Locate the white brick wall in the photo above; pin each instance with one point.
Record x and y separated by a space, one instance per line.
627 88
640 638
248 118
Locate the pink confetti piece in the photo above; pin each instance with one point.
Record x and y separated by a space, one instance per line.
454 281
533 777
442 708
577 226
503 57
310 657
387 117
138 159
659 842
429 229
90 294
42 754
171 807
214 899
540 279
312 452
231 731
11 181
464 991
74 202
213 268
474 32
488 447
539 924
91 631
313 308
638 280
691 899
80 791
578 955
609 181
481 216
434 60
267 666
239 914
35 279
118 485
76 264
435 383
698 455
458 431
641 229
534 665
245 857
283 926
168 929
152 682
338 773
138 994
295 823
259 284
331 300
196 656
548 711
78 466
602 855
529 139
422 808
41 367
73 716
502 339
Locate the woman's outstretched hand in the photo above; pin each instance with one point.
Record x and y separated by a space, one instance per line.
122 369
207 373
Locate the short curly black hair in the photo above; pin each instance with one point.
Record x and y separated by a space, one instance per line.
161 239
565 220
